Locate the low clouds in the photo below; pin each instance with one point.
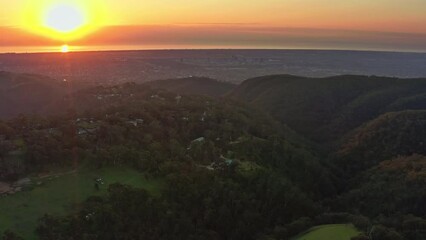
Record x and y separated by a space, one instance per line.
228 36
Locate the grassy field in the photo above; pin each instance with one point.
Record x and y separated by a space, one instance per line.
329 232
60 194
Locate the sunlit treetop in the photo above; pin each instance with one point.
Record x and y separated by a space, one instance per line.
63 20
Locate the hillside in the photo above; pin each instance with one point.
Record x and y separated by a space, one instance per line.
394 187
327 108
390 135
194 85
37 94
206 150
27 94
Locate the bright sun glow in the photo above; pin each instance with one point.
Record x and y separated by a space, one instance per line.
65 48
64 20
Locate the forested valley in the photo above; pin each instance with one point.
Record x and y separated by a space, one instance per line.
266 160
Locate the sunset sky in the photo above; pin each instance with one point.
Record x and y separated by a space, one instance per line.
324 24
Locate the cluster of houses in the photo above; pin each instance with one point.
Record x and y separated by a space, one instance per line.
105 96
113 93
99 181
198 140
135 122
178 98
89 216
156 96
86 126
221 164
18 186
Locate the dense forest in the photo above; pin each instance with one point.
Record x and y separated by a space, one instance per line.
325 109
265 160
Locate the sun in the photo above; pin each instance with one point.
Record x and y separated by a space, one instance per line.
64 18
65 48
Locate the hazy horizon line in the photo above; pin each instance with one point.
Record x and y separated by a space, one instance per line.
89 48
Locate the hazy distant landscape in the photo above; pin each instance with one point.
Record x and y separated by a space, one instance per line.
225 65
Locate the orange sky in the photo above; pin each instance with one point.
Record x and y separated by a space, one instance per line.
348 24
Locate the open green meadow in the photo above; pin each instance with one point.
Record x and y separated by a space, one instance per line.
329 232
60 194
